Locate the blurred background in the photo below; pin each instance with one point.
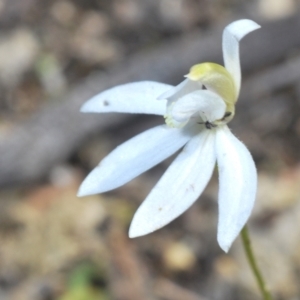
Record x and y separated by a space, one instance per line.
54 55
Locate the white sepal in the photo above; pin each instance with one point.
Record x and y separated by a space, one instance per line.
209 105
179 187
232 34
137 97
134 157
238 184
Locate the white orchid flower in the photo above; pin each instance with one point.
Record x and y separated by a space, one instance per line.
196 118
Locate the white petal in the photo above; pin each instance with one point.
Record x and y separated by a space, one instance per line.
185 87
136 97
134 157
208 104
238 184
179 187
232 34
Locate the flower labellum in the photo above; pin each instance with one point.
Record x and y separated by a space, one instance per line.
195 119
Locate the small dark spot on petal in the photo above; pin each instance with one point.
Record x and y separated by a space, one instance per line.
105 103
190 188
160 208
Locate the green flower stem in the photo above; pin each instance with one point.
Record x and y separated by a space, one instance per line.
252 262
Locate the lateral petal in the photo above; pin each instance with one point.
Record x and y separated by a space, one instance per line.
232 34
134 157
179 187
238 184
136 97
185 87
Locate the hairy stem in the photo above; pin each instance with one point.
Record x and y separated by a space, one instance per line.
253 264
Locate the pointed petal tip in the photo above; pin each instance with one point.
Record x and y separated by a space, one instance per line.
93 184
224 244
250 25
80 194
136 230
84 190
91 105
132 234
84 108
225 248
81 190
